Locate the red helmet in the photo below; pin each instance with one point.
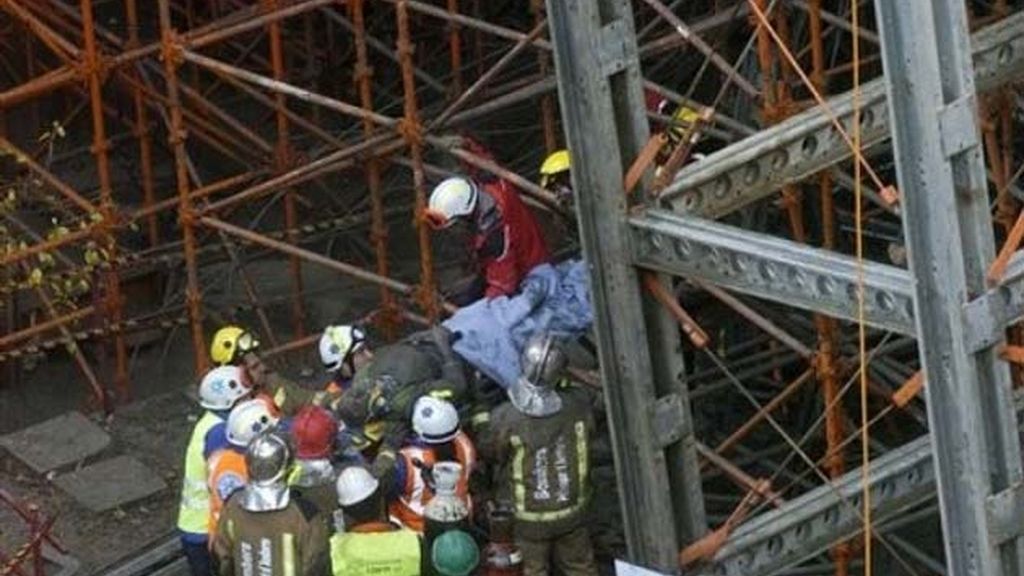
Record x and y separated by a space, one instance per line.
313 432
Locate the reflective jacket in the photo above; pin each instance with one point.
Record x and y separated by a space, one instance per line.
287 542
508 244
227 473
194 511
415 494
545 464
376 549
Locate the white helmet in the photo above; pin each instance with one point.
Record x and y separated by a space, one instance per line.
354 485
338 344
453 198
248 420
222 387
435 421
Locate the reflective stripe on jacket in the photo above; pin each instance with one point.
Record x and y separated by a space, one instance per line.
408 507
194 511
387 553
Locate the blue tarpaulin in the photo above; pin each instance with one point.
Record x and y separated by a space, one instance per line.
491 333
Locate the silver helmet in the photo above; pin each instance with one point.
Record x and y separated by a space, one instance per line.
543 363
268 459
543 360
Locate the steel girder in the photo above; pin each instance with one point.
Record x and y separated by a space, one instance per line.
813 522
772 268
755 167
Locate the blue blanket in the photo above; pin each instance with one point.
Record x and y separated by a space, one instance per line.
491 333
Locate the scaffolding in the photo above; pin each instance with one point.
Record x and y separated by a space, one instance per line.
743 428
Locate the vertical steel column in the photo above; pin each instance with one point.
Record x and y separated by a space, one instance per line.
186 212
946 220
413 132
282 160
112 283
599 86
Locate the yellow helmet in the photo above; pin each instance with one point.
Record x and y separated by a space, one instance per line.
556 163
229 343
683 120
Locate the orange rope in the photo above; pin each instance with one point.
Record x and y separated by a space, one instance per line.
887 191
865 435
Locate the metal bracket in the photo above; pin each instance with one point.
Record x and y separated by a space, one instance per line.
957 126
987 316
668 420
1005 512
613 50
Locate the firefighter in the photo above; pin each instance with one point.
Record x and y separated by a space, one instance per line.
540 441
226 467
438 437
380 399
343 351
220 390
314 432
370 543
234 345
265 528
556 177
506 238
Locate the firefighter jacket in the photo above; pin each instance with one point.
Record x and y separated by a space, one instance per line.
543 463
414 492
315 480
287 542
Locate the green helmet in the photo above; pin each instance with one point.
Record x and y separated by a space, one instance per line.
454 553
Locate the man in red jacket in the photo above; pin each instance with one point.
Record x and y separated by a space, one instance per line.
506 238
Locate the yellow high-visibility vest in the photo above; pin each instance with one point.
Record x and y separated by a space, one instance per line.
194 512
394 553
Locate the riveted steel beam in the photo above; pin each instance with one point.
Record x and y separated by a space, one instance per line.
788 152
772 268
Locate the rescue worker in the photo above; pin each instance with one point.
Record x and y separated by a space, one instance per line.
506 239
370 544
540 440
226 467
383 391
556 176
314 432
438 438
266 529
219 390
343 351
230 343
234 345
454 553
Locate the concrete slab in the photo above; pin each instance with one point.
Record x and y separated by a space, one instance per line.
111 483
56 442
